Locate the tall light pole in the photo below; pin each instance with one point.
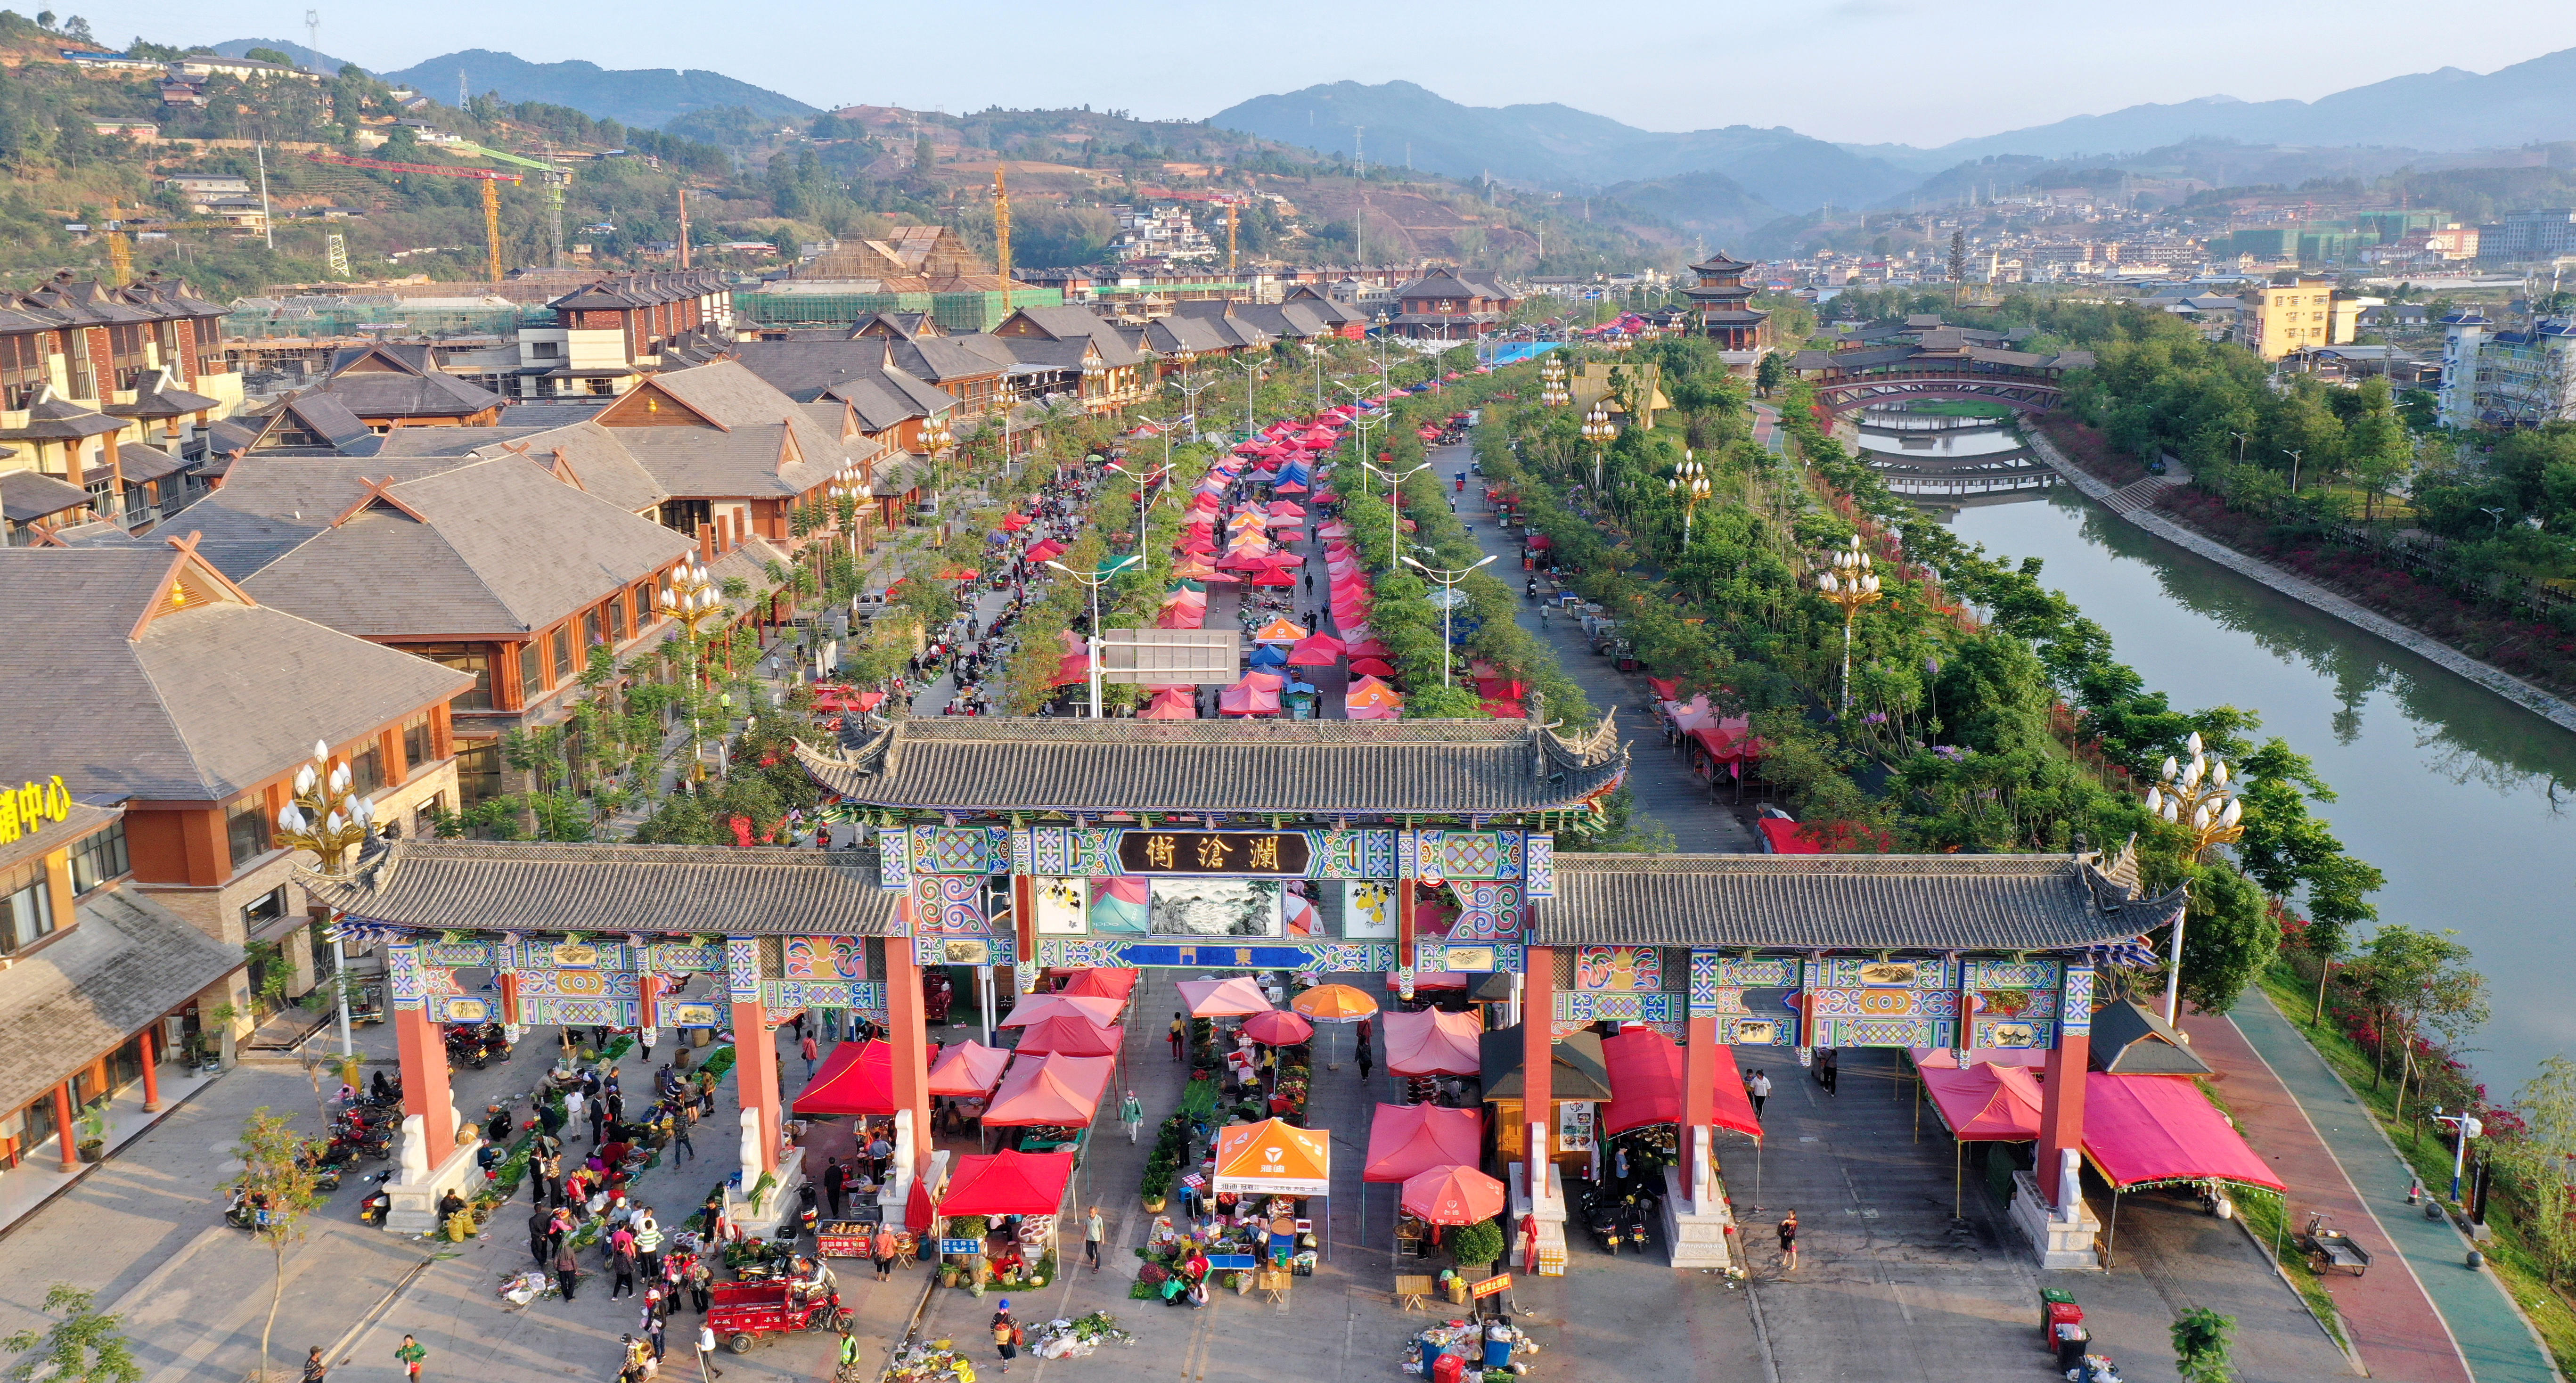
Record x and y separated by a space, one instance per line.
2198 797
1690 485
1551 382
1600 432
1144 480
691 599
327 816
1359 438
2467 1126
2294 468
1252 371
1094 582
1190 392
1449 598
1849 584
1394 500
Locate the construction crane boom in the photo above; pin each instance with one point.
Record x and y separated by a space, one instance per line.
491 178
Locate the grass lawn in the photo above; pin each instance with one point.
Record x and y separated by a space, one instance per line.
2511 1261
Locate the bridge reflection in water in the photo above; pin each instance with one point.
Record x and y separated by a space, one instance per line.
1939 456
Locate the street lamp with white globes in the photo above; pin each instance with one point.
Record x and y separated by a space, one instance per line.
1849 584
2200 797
327 816
1551 383
1690 485
1600 432
850 494
690 599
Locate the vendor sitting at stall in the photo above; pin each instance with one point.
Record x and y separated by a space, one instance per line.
1006 1259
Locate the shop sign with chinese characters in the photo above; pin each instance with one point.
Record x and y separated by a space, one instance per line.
1213 852
24 810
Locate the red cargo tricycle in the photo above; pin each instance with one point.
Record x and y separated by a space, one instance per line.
742 1312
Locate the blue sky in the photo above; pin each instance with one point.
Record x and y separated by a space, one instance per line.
1912 71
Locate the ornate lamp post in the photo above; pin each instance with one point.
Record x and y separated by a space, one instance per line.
690 598
327 816
1848 582
1600 432
935 438
850 494
1551 383
1449 598
2199 797
1690 485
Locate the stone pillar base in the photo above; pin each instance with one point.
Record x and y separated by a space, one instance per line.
2059 1243
412 1207
778 1208
1551 1220
1697 1240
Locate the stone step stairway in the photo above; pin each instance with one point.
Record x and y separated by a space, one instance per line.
2139 494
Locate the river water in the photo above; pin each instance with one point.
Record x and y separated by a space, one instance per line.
2465 801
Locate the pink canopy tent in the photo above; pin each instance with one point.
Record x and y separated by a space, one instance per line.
968 1069
1100 982
1647 1072
1249 697
1170 706
1008 1183
1407 1140
1050 1089
1231 998
1371 648
1284 509
857 1078
1985 1104
1370 667
1037 1008
1430 1042
1176 617
1074 667
1320 650
2147 1130
1071 1036
1045 551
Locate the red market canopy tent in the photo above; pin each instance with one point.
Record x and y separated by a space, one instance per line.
1170 706
1430 1042
1944 1058
857 1078
1008 1183
2147 1130
1232 998
1277 1029
1100 982
1406 1140
1370 667
1037 1008
1985 1104
1506 710
1046 551
1371 648
1249 697
1071 1036
1646 1074
1014 523
1275 580
1050 1089
968 1068
1320 650
1786 838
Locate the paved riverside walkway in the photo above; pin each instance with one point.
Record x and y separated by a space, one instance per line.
2385 1313
2489 1333
1665 788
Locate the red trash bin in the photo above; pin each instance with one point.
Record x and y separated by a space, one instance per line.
2059 1313
1448 1368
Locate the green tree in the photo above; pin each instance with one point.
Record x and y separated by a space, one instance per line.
2418 980
2228 937
2200 1346
83 1345
2285 848
1771 373
276 1178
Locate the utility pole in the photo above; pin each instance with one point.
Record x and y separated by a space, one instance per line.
1359 164
267 225
684 225
1002 237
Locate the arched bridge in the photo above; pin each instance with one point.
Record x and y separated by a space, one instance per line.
2029 395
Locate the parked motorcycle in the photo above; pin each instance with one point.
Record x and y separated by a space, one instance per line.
371 1208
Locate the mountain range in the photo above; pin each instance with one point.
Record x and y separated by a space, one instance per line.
648 98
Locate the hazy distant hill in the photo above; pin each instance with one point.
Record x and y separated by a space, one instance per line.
1557 145
304 57
1713 205
650 98
2449 109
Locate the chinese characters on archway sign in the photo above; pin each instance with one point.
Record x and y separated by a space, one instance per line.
1213 852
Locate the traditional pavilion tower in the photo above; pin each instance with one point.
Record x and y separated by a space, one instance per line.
1724 303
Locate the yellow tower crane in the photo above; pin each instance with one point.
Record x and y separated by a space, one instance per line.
490 178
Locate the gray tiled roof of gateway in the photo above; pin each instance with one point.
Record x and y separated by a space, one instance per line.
496 886
1844 902
127 963
1320 766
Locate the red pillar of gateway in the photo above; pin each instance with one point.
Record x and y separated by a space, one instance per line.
151 1073
1538 1059
2061 1098
423 1054
755 1073
908 1028
1699 1077
66 1135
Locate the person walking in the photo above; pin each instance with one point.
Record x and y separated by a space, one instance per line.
681 1149
1789 1243
621 1265
882 1248
315 1370
846 1359
567 1270
806 1048
1831 1071
540 1237
1006 1336
1368 1061
410 1353
1180 1032
880 1155
701 1285
707 1352
1761 1088
597 1110
1131 1112
653 1330
1095 1231
648 1243
836 1185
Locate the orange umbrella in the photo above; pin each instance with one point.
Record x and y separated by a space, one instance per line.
1453 1196
1334 1003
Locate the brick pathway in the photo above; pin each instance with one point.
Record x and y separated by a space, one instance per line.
2384 1312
